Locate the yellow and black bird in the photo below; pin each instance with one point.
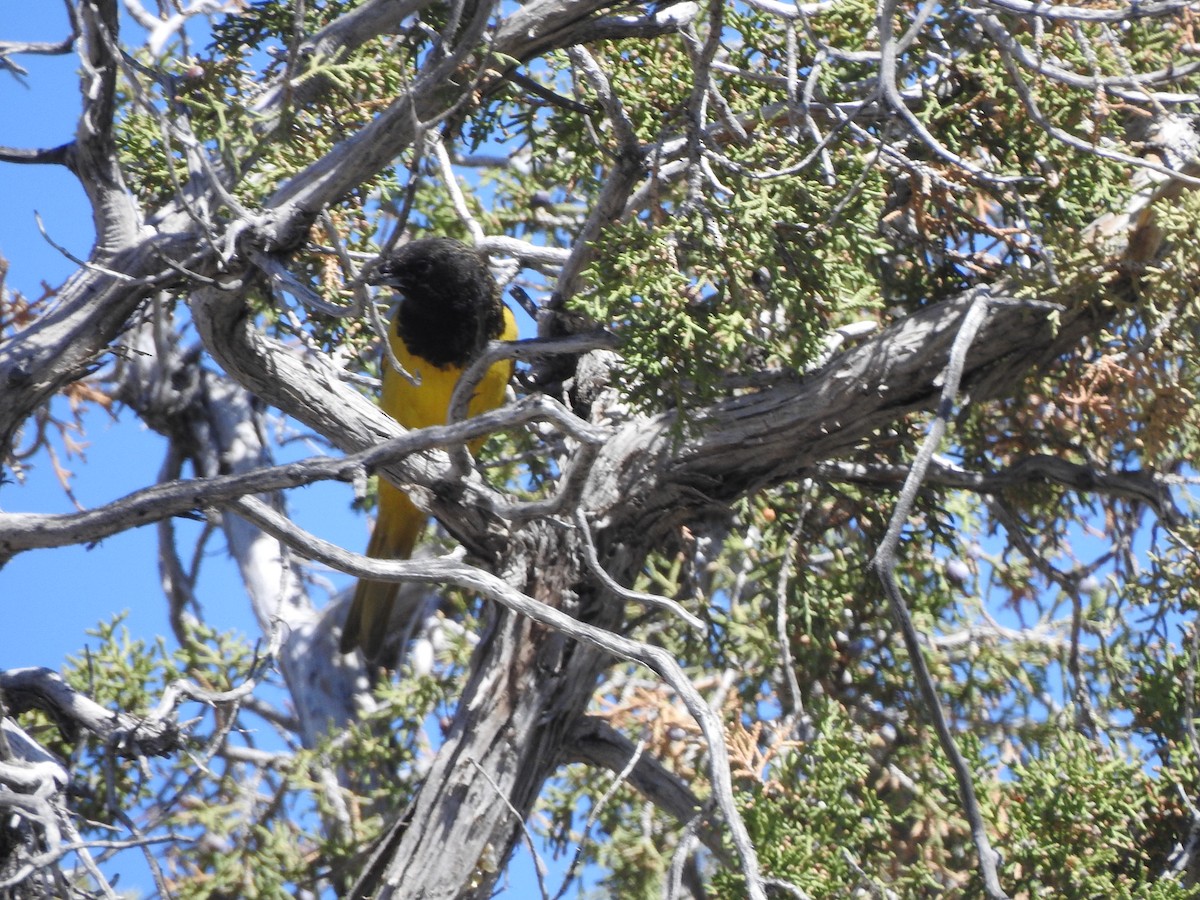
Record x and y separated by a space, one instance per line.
449 309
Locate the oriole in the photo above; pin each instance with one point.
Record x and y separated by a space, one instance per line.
450 308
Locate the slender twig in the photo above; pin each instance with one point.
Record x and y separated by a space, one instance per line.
1069 583
687 841
281 279
654 600
630 163
1135 10
594 813
1151 488
450 180
346 261
570 489
884 565
795 699
888 65
83 263
522 351
1182 858
544 93
539 866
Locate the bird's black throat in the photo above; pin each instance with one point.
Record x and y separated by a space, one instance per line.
451 306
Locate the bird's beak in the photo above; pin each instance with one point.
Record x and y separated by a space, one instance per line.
377 274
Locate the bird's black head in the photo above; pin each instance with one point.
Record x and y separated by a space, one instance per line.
451 306
425 268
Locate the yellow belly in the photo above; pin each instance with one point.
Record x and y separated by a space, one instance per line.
419 406
399 523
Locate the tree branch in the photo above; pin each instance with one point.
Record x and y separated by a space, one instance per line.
155 734
59 156
1136 10
20 532
1149 488
93 157
884 565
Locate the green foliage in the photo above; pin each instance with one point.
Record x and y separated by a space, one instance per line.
1060 624
218 91
823 816
124 673
1074 825
245 820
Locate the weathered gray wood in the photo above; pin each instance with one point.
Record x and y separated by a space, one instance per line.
529 686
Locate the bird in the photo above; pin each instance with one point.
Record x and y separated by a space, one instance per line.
450 308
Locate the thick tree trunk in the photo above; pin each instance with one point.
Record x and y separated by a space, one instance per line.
527 688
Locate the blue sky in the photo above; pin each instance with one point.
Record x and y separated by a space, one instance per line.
52 597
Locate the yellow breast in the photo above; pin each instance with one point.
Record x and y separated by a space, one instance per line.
418 406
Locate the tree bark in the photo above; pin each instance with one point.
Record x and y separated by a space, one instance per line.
528 685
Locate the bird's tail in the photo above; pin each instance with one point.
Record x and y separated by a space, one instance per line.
397 527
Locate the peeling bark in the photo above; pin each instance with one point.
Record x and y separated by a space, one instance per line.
529 686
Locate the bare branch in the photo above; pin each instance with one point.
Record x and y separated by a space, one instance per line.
93 157
1150 488
1137 10
59 156
628 167
132 736
884 565
190 497
39 48
538 865
890 49
651 600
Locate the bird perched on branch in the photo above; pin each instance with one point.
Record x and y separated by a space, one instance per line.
449 309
